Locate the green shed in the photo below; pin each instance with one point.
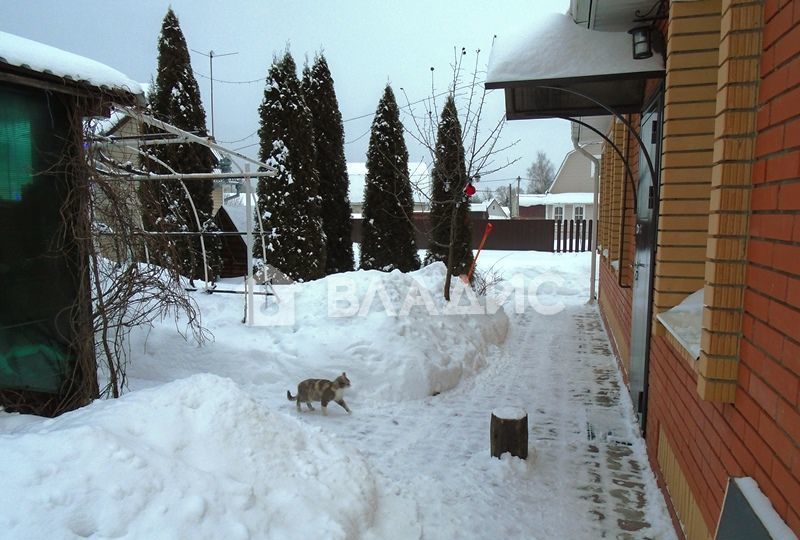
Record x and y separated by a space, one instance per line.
47 361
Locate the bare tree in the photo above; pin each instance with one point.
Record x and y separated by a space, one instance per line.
481 146
504 195
540 174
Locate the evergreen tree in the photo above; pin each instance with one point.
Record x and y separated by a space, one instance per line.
449 177
388 233
289 203
175 98
330 164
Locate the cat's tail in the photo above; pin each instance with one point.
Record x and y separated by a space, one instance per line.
289 396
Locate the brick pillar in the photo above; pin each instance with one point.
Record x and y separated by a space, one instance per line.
617 177
731 181
687 153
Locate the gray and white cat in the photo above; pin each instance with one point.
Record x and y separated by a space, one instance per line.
321 390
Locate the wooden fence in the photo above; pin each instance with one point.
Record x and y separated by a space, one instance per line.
514 234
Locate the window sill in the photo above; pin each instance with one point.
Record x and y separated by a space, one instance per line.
682 327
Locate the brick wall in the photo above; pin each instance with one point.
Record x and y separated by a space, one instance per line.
690 99
770 348
757 435
615 307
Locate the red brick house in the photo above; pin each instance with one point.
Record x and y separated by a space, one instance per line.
702 304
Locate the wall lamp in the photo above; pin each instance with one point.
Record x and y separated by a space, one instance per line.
642 42
642 34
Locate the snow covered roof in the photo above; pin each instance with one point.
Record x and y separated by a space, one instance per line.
107 126
555 198
27 54
236 206
492 207
554 47
418 172
556 52
480 206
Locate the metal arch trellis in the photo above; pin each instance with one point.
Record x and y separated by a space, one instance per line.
631 131
617 115
181 136
609 141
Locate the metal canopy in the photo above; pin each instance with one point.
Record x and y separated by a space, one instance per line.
556 68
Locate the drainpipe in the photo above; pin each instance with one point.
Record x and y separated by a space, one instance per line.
595 200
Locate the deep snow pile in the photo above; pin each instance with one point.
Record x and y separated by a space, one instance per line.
188 454
392 333
197 458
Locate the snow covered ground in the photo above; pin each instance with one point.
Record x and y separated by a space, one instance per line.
206 445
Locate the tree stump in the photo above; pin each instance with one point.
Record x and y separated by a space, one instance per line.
509 432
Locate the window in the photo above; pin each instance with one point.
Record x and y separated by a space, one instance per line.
558 213
579 213
15 155
40 283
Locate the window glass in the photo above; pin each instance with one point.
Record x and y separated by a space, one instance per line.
39 284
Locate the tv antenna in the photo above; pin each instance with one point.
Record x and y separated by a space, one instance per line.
211 55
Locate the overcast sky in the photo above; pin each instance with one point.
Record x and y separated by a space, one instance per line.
367 43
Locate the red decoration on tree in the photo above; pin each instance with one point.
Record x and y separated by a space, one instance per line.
470 190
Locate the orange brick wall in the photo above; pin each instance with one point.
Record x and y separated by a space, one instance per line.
759 434
770 347
706 446
615 307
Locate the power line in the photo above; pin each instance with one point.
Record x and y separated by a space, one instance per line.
211 56
240 140
204 76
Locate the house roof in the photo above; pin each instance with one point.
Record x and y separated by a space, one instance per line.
575 173
555 198
418 173
236 207
555 68
31 56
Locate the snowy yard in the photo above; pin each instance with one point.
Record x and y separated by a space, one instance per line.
206 445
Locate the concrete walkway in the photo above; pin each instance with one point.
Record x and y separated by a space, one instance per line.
587 475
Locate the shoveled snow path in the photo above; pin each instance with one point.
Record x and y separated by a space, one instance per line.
587 475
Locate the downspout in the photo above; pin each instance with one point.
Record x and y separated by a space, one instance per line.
595 202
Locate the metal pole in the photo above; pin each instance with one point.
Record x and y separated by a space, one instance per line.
211 76
595 202
249 222
149 120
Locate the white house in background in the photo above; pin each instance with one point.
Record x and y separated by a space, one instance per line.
419 175
490 209
571 195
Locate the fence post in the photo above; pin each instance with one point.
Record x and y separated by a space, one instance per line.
571 228
558 236
583 235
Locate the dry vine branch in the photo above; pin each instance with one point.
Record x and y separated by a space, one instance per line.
126 293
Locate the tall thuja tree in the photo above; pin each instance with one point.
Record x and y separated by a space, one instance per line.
289 203
388 241
451 229
175 98
331 165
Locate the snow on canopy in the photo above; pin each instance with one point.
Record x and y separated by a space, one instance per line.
554 47
25 53
556 198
